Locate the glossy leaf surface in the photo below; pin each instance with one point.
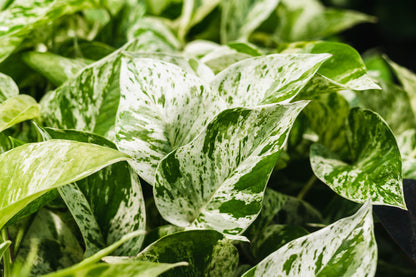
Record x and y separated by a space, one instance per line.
17 109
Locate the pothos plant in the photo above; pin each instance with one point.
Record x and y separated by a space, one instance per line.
195 138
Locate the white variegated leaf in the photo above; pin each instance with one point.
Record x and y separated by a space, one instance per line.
344 248
17 109
217 181
161 108
8 87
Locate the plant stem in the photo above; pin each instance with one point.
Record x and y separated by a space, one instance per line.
307 187
7 261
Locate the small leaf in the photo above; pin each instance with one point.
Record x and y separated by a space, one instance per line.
374 170
55 68
266 79
4 246
240 18
8 88
207 252
192 190
344 248
17 109
33 169
162 107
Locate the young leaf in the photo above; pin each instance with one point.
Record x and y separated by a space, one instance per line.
266 79
17 109
33 169
207 252
161 108
192 190
8 87
4 246
240 18
55 68
344 248
375 168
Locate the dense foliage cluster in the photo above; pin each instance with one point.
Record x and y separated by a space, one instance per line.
196 138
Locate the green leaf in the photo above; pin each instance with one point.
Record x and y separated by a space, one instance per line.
22 16
303 20
217 181
240 18
108 204
161 108
282 77
4 246
344 248
33 169
17 109
374 169
8 88
207 252
407 144
55 68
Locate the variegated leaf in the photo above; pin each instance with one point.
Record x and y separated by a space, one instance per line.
266 79
161 108
17 109
4 246
344 248
106 205
199 48
193 11
407 145
8 87
217 181
240 18
207 252
23 16
374 169
55 68
125 269
31 170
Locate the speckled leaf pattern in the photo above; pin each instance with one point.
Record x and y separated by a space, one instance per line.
375 167
266 79
207 252
407 144
240 18
191 190
8 87
55 68
113 195
161 108
17 109
31 170
344 248
18 20
4 246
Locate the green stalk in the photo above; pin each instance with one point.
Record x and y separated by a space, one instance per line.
307 187
7 261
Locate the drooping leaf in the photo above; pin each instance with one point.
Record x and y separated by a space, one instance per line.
282 77
374 169
240 18
4 246
207 252
22 16
17 109
191 189
31 170
106 205
161 108
344 248
8 88
55 68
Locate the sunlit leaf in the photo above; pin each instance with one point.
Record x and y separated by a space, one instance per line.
17 109
8 87
4 246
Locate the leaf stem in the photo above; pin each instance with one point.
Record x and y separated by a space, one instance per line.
7 261
307 187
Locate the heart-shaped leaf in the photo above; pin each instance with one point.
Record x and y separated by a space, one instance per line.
31 170
191 189
344 248
374 170
17 109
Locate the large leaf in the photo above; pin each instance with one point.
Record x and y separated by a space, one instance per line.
207 252
345 248
240 18
266 79
17 109
162 107
407 144
106 205
55 68
31 170
374 169
8 87
22 16
217 181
